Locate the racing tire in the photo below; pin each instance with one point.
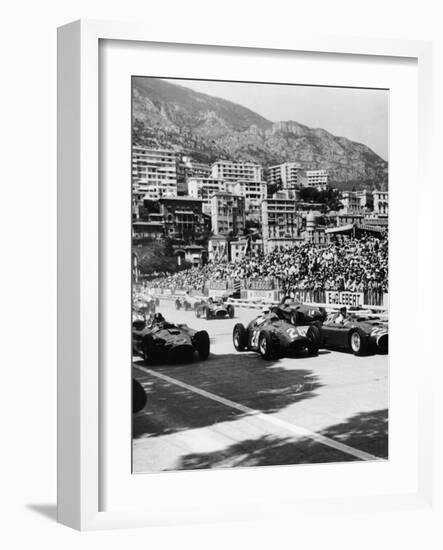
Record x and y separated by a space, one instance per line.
139 398
198 313
296 318
358 343
177 305
207 314
231 311
148 349
202 345
267 347
240 337
313 336
138 324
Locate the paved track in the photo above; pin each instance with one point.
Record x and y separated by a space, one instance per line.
237 410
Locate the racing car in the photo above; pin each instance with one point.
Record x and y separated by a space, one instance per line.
297 313
157 340
214 308
274 337
183 302
360 333
146 305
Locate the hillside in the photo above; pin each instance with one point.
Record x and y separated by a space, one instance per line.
208 128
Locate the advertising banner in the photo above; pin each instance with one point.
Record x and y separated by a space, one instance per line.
267 283
348 299
264 295
217 284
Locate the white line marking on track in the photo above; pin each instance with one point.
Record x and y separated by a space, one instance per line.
293 428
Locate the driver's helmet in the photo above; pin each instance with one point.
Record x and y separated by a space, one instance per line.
286 301
265 310
158 318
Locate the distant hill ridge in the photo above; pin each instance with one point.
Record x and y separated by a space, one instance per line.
209 128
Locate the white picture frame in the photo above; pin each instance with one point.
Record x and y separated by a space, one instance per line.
80 413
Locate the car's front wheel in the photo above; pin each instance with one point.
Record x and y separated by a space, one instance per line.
266 346
148 349
358 343
296 318
313 336
240 337
202 345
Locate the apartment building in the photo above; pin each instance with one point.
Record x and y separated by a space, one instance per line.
254 193
381 202
237 171
313 178
228 214
182 218
154 172
204 189
352 203
285 174
279 220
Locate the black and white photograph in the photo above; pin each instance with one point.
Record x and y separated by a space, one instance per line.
260 283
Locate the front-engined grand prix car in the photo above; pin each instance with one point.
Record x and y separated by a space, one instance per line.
159 341
214 308
274 337
145 305
184 302
361 334
301 314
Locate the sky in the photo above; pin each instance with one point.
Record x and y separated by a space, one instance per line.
359 114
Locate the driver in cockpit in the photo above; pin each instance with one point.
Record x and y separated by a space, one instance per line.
340 316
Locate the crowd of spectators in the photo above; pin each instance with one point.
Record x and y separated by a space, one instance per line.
356 264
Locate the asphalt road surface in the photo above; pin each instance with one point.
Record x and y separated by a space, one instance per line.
235 409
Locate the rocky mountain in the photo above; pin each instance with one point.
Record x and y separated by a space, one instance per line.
209 128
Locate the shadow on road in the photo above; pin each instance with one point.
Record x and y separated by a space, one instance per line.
243 378
364 431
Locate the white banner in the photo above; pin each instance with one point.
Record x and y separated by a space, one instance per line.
265 295
349 299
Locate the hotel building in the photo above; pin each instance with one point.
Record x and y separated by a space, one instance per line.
280 222
286 174
237 171
227 214
204 189
313 178
154 172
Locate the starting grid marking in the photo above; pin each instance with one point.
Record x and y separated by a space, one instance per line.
292 428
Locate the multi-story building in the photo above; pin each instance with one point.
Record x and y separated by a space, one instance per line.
204 188
313 233
182 218
381 202
279 222
254 193
154 172
189 168
352 203
237 171
285 174
313 178
228 214
366 199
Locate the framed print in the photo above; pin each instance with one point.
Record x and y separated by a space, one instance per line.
232 223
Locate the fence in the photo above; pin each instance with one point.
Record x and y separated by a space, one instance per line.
269 289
